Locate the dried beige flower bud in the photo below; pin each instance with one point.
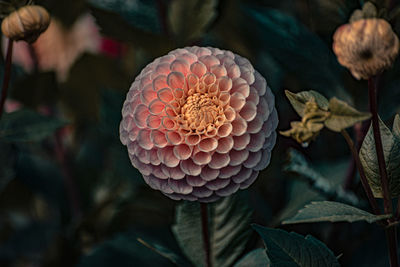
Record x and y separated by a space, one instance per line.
26 23
366 47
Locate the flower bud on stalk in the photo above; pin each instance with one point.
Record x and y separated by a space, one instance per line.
366 46
26 23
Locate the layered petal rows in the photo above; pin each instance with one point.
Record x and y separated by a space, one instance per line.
199 123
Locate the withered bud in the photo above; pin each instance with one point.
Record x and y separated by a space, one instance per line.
26 23
366 47
311 124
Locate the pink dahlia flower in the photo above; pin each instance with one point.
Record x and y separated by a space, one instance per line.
199 123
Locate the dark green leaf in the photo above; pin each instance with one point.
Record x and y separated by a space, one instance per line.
396 126
123 250
291 249
142 14
299 100
255 258
391 151
298 50
166 253
329 211
342 115
27 126
298 164
189 19
229 231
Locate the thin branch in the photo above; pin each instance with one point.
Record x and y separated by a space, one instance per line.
7 75
363 178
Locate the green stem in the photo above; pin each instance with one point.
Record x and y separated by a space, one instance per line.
7 75
363 178
206 237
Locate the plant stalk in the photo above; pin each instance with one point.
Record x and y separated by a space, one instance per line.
7 75
391 234
363 178
378 146
206 237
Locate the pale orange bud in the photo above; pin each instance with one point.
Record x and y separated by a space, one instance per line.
26 23
366 47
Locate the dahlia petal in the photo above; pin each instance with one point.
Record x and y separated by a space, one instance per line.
189 58
140 115
174 137
256 142
202 51
248 76
127 123
198 68
160 82
195 181
156 107
219 160
201 158
249 181
238 156
153 122
165 95
225 144
168 124
209 61
218 70
241 141
224 83
163 68
230 114
209 174
144 139
190 168
239 126
265 159
158 138
180 186
259 84
208 144
167 58
217 184
148 94
253 159
182 151
202 192
243 89
167 157
255 125
181 66
224 98
158 184
158 172
192 139
228 190
228 171
173 173
249 111
242 176
237 101
132 135
253 96
154 157
176 80
209 78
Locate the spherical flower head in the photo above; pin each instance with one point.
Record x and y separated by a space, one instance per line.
366 47
199 123
26 23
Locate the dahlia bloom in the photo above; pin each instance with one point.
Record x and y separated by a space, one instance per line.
366 47
199 123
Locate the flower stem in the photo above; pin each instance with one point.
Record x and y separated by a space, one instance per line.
363 178
378 146
387 200
7 75
206 237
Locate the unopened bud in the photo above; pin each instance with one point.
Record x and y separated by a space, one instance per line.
366 46
26 23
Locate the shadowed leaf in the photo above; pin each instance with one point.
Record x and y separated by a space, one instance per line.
291 249
299 100
329 211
